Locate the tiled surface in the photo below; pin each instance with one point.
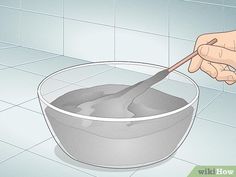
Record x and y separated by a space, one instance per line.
46 67
88 41
54 7
52 151
229 16
209 143
101 11
42 32
5 45
189 19
225 115
10 3
19 55
163 169
32 105
30 165
7 151
22 128
139 15
10 25
4 105
18 86
136 46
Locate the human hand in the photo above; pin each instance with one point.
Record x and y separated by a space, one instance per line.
218 59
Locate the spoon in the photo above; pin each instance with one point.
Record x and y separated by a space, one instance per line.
101 107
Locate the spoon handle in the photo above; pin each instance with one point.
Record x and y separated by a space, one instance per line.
190 56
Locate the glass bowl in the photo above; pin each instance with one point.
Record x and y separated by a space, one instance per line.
117 142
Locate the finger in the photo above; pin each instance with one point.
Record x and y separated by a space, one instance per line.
230 82
195 64
217 54
209 69
226 76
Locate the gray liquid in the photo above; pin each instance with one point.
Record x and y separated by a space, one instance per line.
153 102
117 104
125 143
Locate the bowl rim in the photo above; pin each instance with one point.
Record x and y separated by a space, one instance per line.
111 119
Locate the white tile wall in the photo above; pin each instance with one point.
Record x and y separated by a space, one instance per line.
191 19
42 32
101 11
53 7
9 25
142 47
88 41
11 3
149 15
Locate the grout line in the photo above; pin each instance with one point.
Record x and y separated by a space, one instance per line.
134 172
11 144
26 63
185 160
2 48
23 150
216 122
209 3
63 35
210 102
60 163
201 2
12 157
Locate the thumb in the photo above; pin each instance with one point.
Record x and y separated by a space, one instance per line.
217 54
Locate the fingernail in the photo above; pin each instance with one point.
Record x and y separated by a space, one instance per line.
203 50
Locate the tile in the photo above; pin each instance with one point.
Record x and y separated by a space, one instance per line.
42 32
3 67
115 76
202 19
4 105
101 11
10 3
229 17
52 151
207 96
230 88
7 151
53 7
221 110
219 2
10 22
22 128
181 48
139 15
18 86
32 105
209 143
88 41
51 65
164 169
5 45
142 47
19 55
78 73
29 165
230 3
